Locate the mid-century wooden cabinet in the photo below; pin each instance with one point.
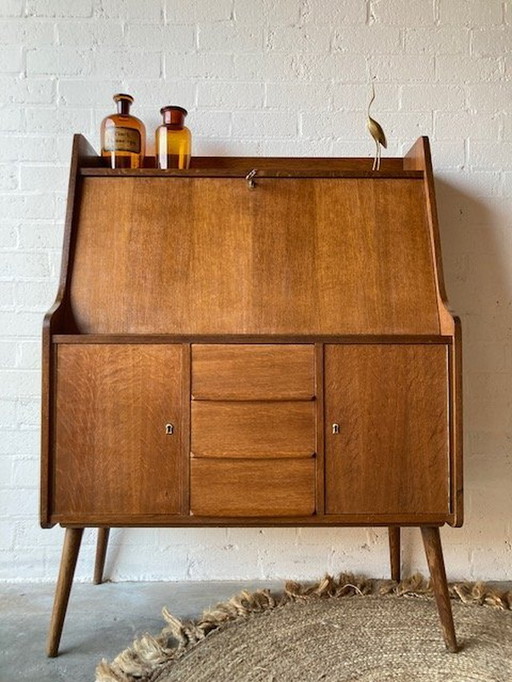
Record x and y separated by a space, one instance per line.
253 341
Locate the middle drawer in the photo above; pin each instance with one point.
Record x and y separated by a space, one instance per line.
253 429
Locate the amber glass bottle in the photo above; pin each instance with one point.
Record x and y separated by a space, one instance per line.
173 140
123 136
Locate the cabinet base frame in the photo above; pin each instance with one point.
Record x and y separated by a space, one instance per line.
73 539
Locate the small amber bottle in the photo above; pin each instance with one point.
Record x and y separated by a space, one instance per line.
123 136
173 140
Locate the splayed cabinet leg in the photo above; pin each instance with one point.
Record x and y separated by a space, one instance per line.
72 541
434 552
394 552
101 553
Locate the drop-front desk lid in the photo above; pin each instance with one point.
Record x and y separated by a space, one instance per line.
296 247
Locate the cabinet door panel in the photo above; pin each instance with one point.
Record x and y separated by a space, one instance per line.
112 454
391 455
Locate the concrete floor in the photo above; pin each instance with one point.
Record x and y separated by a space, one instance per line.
101 621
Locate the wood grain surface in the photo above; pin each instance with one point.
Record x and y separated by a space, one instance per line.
245 488
391 454
184 521
294 256
253 372
112 454
253 429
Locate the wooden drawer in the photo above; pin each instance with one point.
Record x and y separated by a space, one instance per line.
253 372
253 429
284 487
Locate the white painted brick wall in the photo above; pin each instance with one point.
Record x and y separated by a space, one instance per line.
278 78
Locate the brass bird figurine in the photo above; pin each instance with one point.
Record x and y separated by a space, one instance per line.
377 133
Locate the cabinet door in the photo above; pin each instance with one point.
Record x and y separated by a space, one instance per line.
391 452
113 455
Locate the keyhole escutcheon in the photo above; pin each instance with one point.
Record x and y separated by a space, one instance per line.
169 429
335 429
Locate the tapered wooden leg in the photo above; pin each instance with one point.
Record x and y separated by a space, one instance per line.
70 551
101 553
434 552
394 552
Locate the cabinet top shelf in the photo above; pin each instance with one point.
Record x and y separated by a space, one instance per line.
394 339
89 163
315 171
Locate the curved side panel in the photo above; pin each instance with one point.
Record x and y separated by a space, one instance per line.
59 317
419 158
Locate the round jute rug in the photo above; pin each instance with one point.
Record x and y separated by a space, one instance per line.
339 629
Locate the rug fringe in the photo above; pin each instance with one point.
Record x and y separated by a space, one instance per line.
141 661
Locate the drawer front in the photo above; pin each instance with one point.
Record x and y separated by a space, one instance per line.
252 488
253 429
253 372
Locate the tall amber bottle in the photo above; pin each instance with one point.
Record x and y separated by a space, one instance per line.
123 136
173 140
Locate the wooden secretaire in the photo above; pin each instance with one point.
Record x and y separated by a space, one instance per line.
254 341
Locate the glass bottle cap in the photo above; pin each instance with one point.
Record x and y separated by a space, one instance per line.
121 96
174 116
172 107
